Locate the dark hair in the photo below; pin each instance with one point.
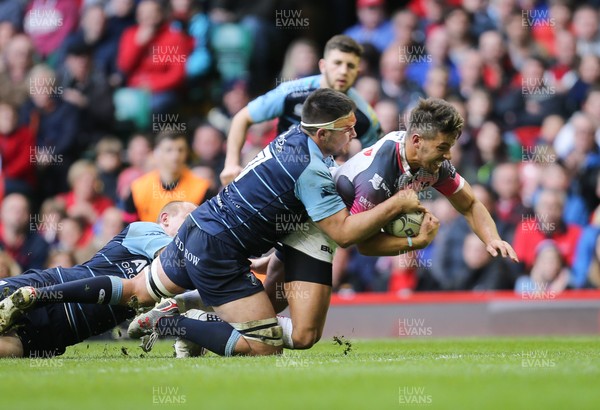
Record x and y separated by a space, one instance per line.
169 135
432 116
343 43
324 105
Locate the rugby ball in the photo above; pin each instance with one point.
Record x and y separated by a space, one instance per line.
406 225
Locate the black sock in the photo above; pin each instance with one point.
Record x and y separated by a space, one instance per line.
102 290
218 337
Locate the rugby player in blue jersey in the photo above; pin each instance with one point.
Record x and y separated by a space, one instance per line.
48 330
290 179
339 69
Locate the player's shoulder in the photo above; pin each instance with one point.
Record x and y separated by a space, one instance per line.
142 228
302 85
361 103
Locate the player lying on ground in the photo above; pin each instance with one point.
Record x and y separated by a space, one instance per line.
418 159
290 179
48 330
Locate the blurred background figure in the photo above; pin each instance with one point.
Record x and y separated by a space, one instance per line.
549 274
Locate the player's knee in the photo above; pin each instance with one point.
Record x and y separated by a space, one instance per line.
305 338
264 337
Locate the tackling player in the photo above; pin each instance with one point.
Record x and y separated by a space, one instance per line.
48 330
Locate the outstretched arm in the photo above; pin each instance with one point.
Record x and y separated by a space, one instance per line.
481 222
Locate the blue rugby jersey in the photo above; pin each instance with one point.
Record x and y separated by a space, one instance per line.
124 256
285 183
286 101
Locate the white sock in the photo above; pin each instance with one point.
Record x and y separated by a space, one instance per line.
287 327
191 300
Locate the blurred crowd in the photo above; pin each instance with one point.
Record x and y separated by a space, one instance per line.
109 109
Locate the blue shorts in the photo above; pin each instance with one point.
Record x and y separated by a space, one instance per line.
219 271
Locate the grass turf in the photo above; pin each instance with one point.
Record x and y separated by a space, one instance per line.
540 373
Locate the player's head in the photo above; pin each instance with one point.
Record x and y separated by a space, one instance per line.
340 63
328 117
433 128
172 215
170 151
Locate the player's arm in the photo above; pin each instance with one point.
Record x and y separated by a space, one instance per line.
481 222
235 142
383 244
346 229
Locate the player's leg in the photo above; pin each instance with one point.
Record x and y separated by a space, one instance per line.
10 346
225 282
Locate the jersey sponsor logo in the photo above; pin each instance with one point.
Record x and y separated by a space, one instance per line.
368 152
365 202
378 183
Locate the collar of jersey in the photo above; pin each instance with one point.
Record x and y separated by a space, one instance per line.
405 165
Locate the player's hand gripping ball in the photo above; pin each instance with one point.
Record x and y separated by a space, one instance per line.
406 225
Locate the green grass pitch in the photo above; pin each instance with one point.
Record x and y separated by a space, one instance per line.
532 373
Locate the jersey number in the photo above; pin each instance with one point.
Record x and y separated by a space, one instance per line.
261 157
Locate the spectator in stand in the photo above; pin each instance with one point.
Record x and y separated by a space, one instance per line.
491 151
394 84
531 100
437 83
208 150
549 274
458 24
479 106
547 223
153 56
373 27
172 180
483 272
436 55
48 23
388 115
52 212
8 266
188 18
108 161
12 13
56 125
16 145
301 60
471 73
563 71
404 25
121 16
107 227
497 69
87 88
521 45
483 16
565 140
235 97
139 153
15 69
586 28
85 200
75 237
7 32
94 36
369 89
18 233
509 208
547 30
588 75
449 270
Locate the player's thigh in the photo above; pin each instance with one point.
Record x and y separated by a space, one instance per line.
308 305
10 346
